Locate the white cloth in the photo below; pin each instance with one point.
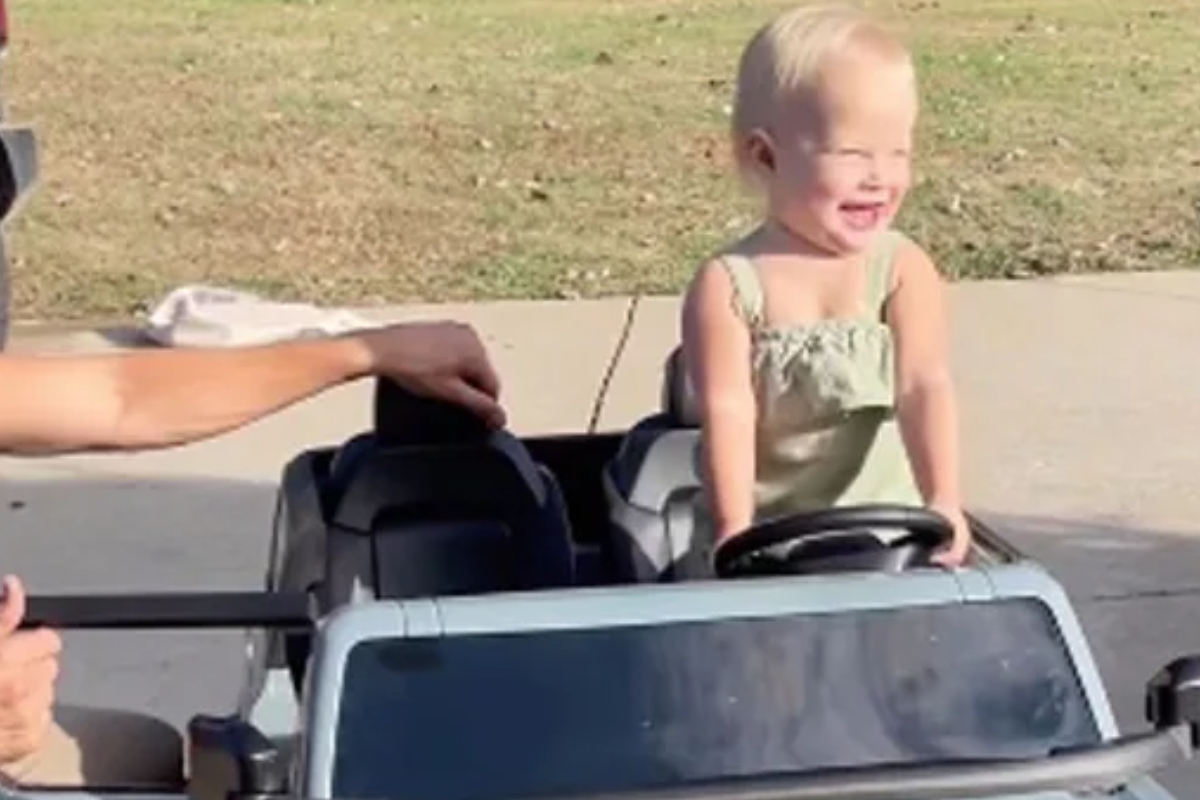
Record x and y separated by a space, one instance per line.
212 316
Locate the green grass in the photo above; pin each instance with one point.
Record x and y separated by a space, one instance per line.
364 151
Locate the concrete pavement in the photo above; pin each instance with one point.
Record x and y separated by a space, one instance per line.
1081 442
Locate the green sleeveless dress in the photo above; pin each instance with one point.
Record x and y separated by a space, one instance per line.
826 429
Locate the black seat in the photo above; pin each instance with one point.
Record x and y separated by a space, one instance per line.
653 485
430 502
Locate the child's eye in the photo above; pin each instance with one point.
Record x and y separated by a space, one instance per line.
850 154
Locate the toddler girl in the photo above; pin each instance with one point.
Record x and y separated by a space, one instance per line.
817 344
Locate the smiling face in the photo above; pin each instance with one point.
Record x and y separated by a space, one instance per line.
835 164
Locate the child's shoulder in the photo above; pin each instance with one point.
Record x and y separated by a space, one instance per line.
715 276
896 242
722 260
904 251
900 244
719 284
900 253
909 266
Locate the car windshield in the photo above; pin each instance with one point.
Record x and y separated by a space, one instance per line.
559 712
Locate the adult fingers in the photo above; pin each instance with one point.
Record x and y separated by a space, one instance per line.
28 647
477 367
24 726
27 689
26 708
12 607
480 373
479 403
38 692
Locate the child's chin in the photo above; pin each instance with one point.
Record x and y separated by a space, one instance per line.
854 240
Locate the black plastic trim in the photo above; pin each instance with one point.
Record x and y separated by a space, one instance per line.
170 610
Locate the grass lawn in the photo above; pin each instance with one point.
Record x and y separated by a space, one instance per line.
361 151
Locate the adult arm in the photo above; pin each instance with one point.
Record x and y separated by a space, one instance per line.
160 398
716 344
927 408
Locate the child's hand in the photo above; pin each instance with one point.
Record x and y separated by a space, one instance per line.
960 546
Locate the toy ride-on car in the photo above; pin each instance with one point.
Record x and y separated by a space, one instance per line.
452 613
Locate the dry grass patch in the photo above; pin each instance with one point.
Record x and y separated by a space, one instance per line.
366 151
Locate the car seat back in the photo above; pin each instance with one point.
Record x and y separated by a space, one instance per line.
678 395
452 519
431 502
653 489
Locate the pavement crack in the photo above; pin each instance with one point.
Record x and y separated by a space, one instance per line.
614 362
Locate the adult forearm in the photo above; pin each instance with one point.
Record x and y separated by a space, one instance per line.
928 418
152 399
169 399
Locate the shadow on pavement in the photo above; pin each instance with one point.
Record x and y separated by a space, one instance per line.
1137 591
1107 559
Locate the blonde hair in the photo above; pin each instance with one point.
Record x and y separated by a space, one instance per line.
784 60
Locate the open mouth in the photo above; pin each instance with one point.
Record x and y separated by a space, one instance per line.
862 216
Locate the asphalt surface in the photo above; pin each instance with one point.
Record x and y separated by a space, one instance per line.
1080 444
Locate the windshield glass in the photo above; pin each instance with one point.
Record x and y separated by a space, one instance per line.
488 717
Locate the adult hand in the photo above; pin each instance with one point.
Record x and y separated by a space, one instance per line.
955 554
444 360
28 671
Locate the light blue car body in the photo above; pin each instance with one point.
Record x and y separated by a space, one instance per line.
308 728
635 605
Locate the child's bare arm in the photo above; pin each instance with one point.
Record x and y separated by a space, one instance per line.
925 395
716 346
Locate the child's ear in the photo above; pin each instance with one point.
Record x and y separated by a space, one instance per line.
761 151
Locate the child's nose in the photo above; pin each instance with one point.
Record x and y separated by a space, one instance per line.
872 177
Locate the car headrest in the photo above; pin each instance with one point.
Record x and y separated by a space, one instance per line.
403 418
19 167
678 398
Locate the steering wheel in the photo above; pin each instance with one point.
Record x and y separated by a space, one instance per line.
836 539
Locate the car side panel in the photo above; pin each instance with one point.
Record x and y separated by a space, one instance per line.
336 637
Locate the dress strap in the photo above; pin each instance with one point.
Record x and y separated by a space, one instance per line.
747 289
880 265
